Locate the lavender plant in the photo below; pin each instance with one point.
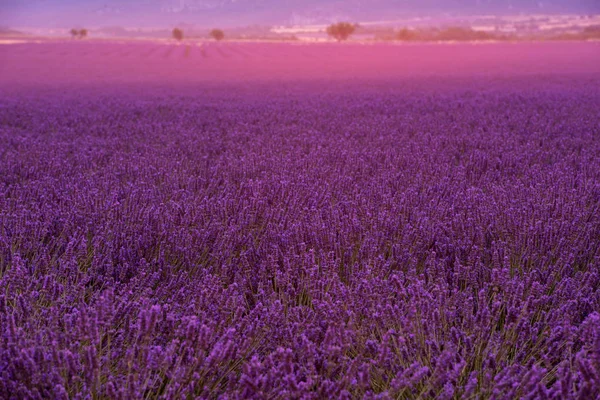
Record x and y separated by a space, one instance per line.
293 242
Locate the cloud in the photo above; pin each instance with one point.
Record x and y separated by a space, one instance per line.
107 10
180 6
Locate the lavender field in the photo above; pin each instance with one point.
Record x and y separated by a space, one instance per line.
398 237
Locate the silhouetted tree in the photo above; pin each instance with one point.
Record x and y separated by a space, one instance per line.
407 35
341 30
217 34
78 33
178 34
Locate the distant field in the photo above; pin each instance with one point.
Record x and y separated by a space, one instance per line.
278 221
95 61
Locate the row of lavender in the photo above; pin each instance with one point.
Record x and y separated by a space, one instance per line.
298 243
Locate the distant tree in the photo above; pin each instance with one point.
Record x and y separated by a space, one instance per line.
341 30
217 34
407 35
78 33
178 34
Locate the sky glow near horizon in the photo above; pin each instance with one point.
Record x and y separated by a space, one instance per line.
146 13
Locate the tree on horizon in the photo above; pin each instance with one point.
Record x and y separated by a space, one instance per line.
78 33
177 34
217 34
341 30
